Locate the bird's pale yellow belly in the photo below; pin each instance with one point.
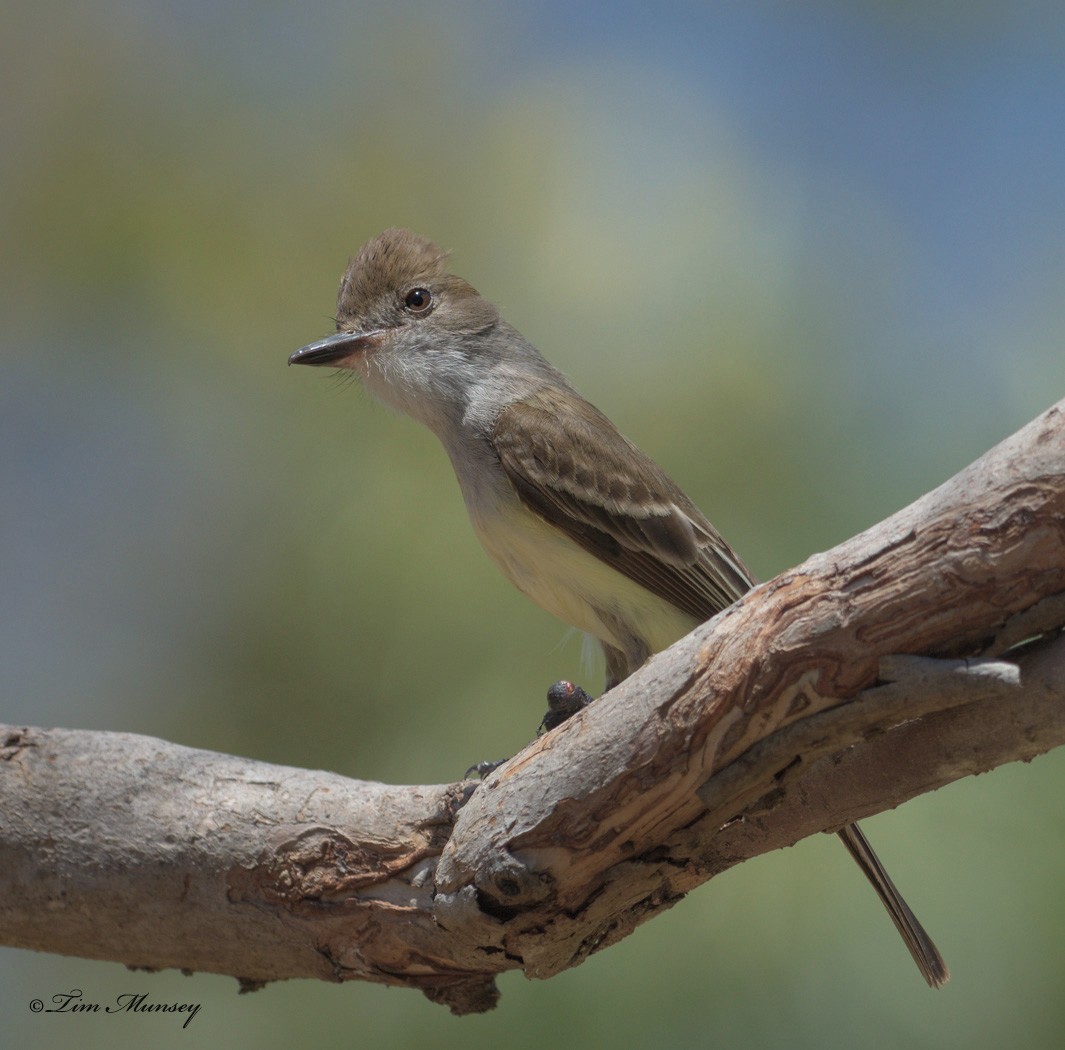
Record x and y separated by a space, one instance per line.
578 588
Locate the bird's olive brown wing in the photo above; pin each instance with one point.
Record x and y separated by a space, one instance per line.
569 464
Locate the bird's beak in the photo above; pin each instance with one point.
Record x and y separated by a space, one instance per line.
337 350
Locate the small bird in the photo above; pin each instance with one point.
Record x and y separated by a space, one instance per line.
570 510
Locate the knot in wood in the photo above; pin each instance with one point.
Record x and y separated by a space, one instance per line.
509 884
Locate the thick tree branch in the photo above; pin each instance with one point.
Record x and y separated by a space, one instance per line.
787 714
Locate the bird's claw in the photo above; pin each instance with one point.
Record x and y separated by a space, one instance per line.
482 769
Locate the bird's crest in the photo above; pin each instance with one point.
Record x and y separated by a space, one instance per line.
393 260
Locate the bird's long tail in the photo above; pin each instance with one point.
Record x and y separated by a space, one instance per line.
921 946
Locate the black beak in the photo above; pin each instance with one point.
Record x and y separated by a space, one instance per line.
336 350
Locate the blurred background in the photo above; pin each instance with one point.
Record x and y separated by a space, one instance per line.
810 257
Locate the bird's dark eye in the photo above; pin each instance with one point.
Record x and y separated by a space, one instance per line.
418 300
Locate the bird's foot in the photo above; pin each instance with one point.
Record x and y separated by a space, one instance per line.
564 700
482 769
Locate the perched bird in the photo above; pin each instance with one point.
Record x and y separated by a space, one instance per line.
572 512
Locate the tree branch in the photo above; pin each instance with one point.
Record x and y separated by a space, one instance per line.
787 714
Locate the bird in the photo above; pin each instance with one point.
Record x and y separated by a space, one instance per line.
570 510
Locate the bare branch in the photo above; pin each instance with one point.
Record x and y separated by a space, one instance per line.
787 714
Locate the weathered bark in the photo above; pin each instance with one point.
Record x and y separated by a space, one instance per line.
787 714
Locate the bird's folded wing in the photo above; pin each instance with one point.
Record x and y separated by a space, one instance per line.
569 464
